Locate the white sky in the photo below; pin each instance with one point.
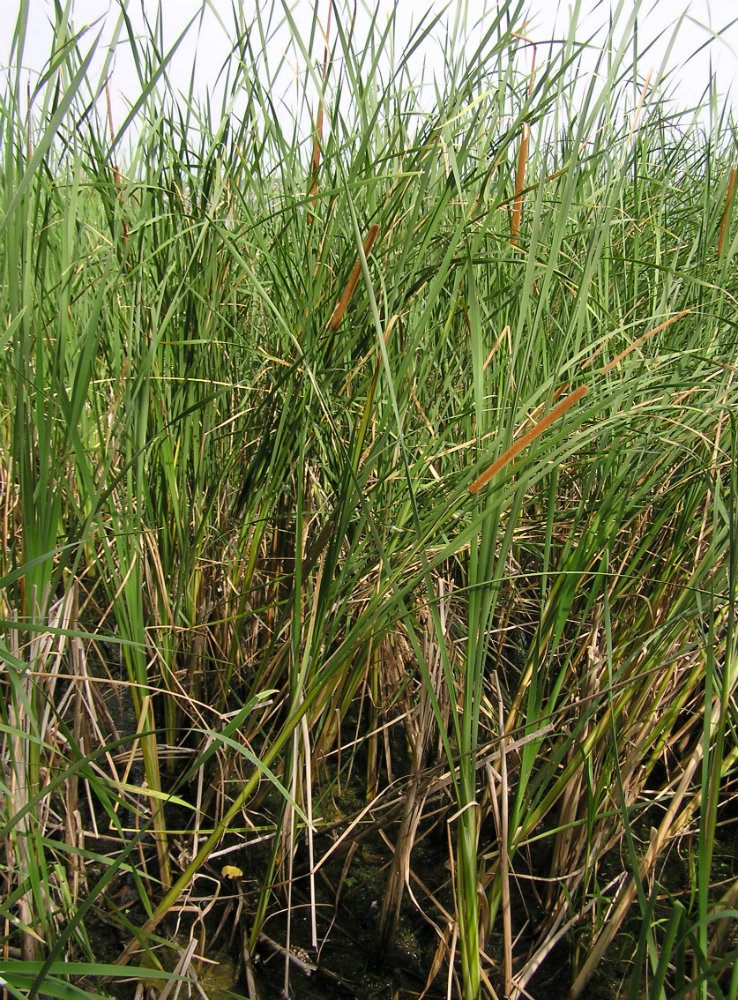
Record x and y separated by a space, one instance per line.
703 28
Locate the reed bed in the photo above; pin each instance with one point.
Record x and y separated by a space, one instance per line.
370 537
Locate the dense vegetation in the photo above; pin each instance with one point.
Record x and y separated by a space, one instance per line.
370 540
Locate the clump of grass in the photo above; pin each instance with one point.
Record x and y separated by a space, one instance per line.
380 418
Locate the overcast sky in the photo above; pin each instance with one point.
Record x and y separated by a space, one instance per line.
707 41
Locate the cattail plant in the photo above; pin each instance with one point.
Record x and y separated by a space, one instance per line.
369 492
